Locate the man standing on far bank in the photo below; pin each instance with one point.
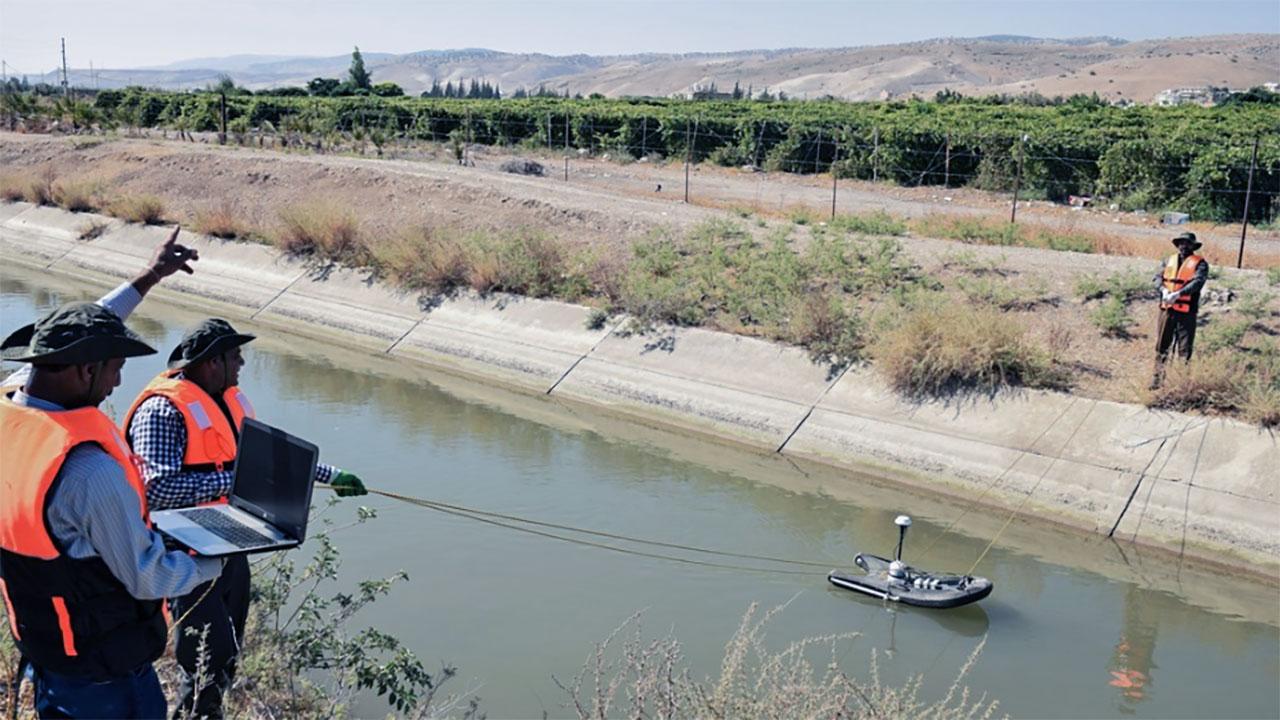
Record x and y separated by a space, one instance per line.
1179 282
185 426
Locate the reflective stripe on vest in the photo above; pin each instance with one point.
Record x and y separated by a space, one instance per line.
1176 275
211 440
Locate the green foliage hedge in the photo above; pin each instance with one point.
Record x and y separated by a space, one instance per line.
1193 158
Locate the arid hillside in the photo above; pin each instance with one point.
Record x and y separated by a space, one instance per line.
1113 68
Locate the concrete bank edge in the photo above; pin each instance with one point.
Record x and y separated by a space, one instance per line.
1204 487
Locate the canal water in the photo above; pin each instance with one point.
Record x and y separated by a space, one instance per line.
1071 621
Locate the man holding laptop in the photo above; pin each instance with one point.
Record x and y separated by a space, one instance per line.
81 573
187 427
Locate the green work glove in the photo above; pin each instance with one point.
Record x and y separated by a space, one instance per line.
345 484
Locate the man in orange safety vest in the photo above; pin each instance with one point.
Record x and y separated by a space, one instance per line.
1180 280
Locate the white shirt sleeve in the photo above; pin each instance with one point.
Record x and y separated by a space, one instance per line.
122 301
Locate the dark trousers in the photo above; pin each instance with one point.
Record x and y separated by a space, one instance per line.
1175 331
224 611
137 695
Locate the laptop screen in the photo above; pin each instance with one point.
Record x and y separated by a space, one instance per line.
273 477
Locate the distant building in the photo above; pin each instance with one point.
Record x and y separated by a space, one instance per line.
1205 96
709 93
1273 87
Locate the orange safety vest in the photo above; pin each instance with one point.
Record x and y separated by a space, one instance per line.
67 615
211 437
1175 277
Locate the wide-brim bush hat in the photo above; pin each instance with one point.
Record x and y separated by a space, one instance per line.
74 334
1188 238
208 339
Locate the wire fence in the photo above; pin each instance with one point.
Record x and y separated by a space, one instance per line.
1237 179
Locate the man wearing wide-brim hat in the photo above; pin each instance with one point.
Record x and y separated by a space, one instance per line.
168 258
82 574
185 425
1180 280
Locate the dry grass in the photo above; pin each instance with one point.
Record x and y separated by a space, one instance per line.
221 221
423 259
648 679
77 195
321 229
1229 381
937 347
13 187
145 209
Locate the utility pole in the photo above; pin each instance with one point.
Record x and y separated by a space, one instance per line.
566 147
1244 223
65 88
1017 180
548 131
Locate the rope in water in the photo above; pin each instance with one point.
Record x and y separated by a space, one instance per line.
1031 492
505 521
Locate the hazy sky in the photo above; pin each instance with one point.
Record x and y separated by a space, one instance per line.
138 33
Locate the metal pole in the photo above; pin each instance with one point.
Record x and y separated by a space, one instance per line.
834 175
817 154
1244 223
1017 182
222 126
946 177
688 156
548 130
875 155
644 137
566 147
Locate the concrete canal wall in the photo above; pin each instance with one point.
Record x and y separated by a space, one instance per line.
1207 488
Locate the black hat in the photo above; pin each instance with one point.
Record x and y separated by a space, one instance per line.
211 337
1187 237
74 334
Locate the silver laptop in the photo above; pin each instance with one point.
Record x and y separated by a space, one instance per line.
270 499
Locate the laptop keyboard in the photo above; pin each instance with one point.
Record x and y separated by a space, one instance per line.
227 528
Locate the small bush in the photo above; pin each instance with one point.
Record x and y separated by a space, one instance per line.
1112 317
802 216
970 230
997 293
1227 381
77 196
1128 286
423 259
1223 335
1255 306
13 188
877 222
320 229
827 327
220 221
145 209
520 166
937 347
1273 273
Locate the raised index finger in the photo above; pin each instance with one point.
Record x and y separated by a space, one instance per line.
173 236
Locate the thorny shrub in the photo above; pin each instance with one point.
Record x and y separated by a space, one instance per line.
649 679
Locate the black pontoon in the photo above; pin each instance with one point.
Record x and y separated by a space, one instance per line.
894 580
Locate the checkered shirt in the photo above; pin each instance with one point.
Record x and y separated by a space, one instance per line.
158 435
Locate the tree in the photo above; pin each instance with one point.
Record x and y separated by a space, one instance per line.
323 87
387 89
357 75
